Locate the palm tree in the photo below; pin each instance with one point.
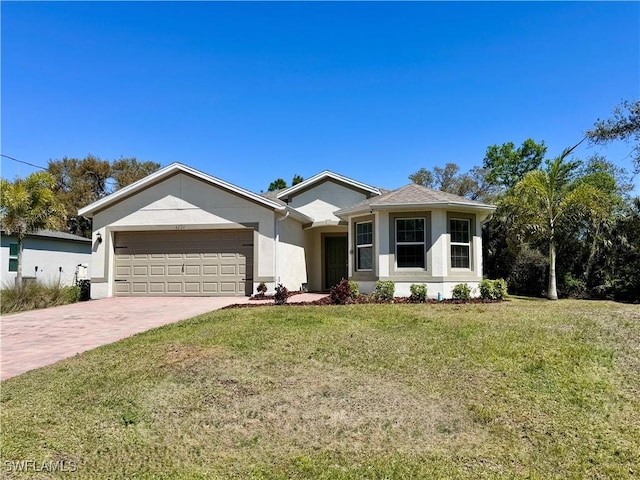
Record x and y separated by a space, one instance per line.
546 204
28 205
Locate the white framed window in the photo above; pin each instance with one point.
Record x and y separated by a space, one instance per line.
410 243
364 246
459 230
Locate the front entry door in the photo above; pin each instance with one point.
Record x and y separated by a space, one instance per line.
335 260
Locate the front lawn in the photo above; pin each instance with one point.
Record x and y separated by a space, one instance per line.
522 389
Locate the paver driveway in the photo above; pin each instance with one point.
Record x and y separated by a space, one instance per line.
40 337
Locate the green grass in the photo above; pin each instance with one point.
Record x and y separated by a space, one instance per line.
524 389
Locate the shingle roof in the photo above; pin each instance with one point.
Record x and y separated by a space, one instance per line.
54 234
273 196
414 195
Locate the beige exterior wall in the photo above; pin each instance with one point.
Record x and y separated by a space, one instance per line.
438 277
181 202
439 243
290 259
320 201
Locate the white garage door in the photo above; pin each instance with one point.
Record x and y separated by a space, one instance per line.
186 263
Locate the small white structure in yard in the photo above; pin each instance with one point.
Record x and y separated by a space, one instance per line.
47 256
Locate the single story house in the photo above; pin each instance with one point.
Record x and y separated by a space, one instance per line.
182 232
48 256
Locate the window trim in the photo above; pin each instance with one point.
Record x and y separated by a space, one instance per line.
13 258
423 243
364 245
460 244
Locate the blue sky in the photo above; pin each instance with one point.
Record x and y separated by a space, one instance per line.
250 92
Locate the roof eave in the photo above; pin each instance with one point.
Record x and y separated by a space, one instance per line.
165 172
393 206
327 174
472 206
296 215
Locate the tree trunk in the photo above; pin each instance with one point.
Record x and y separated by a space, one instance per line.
19 271
552 292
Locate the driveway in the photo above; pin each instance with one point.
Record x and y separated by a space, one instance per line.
41 337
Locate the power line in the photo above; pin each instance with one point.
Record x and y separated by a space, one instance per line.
107 180
20 161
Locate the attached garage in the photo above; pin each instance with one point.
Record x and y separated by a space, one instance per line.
183 263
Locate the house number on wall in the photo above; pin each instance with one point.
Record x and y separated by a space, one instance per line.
179 227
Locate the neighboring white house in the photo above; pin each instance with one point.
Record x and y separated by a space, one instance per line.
182 232
48 256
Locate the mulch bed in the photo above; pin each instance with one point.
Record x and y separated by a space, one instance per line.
361 299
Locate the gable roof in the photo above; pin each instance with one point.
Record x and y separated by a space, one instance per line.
414 195
169 171
323 176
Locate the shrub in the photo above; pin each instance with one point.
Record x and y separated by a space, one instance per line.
261 289
35 295
493 289
355 291
574 287
529 272
418 293
281 295
71 294
344 292
461 292
384 291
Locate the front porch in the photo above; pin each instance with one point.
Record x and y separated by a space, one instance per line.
327 256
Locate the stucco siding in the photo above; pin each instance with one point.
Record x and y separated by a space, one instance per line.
402 289
439 245
320 201
182 202
55 259
290 257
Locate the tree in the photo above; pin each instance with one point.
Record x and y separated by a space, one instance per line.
280 183
422 177
81 182
472 185
547 205
27 206
277 184
507 165
624 125
128 170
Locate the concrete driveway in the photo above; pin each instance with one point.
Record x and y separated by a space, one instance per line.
41 337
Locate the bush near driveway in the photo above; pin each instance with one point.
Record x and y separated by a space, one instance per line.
36 295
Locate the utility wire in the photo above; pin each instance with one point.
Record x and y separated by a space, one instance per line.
113 182
20 161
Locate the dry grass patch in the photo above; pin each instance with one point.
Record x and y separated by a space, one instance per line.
524 389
